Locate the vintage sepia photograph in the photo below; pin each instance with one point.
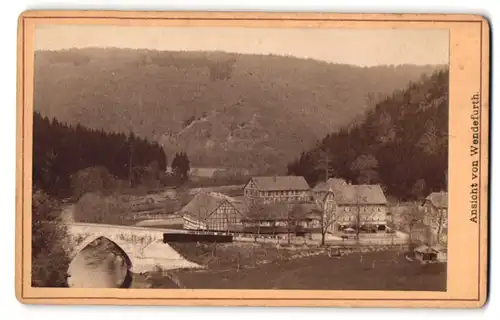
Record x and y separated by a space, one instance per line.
237 158
314 158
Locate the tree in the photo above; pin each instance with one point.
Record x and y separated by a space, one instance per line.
428 236
385 130
326 214
92 179
256 213
181 166
306 167
433 139
392 227
325 163
131 139
440 224
61 150
399 140
295 214
370 100
365 167
50 260
151 175
443 237
413 217
95 208
359 198
418 189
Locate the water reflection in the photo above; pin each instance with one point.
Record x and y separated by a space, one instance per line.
100 265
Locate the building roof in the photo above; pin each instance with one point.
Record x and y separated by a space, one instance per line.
279 183
282 211
205 203
438 199
239 203
432 249
360 194
332 183
424 249
440 248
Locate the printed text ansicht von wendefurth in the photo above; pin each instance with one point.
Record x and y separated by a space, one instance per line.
474 153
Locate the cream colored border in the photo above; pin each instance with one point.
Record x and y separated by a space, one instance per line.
469 74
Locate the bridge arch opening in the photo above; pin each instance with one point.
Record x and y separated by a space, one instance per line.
100 262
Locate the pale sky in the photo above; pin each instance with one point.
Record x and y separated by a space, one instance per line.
364 47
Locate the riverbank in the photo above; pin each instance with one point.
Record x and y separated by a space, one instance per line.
237 267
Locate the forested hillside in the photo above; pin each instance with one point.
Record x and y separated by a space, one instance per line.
62 150
402 143
222 109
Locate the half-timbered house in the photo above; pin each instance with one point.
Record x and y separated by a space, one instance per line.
322 188
277 189
360 206
282 217
212 211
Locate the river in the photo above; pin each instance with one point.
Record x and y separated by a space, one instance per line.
103 265
100 265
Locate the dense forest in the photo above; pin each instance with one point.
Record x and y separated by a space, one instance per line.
402 143
61 151
223 109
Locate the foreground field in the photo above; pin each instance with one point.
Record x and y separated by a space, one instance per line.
231 267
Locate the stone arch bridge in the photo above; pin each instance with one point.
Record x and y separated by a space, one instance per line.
143 248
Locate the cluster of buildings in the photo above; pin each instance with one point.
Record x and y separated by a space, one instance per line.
277 203
284 204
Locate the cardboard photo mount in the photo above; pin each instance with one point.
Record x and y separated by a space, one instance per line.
469 68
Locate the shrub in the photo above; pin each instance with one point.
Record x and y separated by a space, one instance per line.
94 208
92 179
50 260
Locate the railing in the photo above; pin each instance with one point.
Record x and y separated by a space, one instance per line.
119 227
